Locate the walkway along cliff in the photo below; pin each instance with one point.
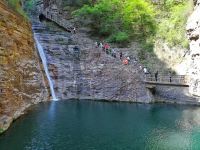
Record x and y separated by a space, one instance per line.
52 11
80 70
22 81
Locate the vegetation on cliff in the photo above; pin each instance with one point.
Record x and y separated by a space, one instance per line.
17 5
79 3
1 130
122 21
172 20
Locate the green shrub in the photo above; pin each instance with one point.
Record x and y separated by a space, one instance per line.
120 20
173 22
1 130
76 3
16 5
29 5
119 37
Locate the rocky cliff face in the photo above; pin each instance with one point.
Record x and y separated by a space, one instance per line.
88 73
175 58
193 31
21 79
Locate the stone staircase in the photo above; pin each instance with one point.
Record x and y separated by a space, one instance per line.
89 73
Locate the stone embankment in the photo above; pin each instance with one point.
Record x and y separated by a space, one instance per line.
22 82
193 31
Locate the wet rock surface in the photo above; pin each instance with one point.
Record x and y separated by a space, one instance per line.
22 82
193 31
81 71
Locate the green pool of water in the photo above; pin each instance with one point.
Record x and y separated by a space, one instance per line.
87 125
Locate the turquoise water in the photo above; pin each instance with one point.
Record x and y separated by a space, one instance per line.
87 125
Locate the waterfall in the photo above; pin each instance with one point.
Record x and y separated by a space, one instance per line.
44 62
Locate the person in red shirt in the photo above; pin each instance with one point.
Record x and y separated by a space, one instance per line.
106 46
125 61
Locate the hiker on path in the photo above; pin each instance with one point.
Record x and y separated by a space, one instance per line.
107 46
120 55
104 47
140 67
100 45
96 45
145 70
113 53
156 76
170 76
74 30
125 61
135 61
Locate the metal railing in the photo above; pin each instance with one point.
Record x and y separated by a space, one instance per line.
167 79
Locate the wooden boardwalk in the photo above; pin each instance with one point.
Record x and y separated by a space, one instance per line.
166 80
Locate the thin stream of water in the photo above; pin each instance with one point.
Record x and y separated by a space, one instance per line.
44 62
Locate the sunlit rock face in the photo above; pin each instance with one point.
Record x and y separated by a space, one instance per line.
21 79
193 31
89 73
176 58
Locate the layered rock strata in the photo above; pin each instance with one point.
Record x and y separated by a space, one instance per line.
81 71
22 82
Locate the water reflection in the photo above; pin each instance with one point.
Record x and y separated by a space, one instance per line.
177 134
97 125
190 119
52 110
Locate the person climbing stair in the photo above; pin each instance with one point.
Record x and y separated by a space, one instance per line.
156 76
74 30
125 61
120 55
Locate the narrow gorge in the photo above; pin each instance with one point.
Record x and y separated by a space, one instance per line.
49 53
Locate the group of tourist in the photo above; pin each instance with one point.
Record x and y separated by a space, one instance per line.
125 60
106 48
111 51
